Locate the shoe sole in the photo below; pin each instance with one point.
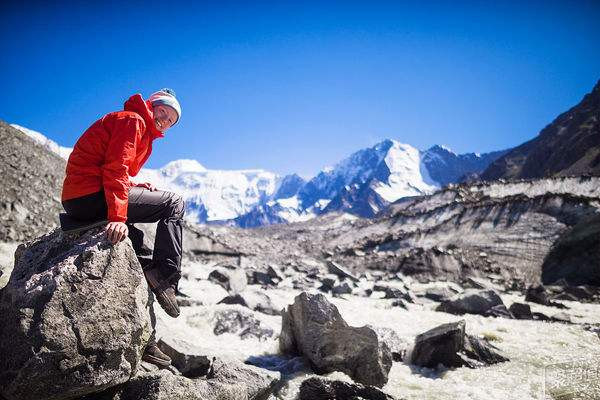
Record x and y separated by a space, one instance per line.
156 361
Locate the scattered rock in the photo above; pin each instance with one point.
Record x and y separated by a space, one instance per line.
472 301
335 268
440 293
234 299
521 311
254 300
537 294
314 327
499 311
448 345
317 388
343 288
231 278
263 278
75 317
328 282
561 317
240 323
275 274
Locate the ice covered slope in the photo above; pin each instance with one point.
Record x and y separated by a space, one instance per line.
214 195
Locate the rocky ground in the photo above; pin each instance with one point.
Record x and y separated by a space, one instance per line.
508 344
440 296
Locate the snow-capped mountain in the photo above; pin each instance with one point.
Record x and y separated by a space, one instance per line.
51 145
218 195
363 184
369 180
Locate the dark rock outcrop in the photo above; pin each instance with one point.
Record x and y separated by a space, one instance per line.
472 301
521 311
570 145
538 294
314 327
575 257
316 388
449 346
75 317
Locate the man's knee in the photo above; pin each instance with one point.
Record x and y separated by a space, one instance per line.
177 206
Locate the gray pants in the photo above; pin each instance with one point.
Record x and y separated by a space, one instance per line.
144 206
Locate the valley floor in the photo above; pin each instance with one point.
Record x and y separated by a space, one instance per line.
563 356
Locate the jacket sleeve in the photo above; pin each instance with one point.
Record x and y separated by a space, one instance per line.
121 151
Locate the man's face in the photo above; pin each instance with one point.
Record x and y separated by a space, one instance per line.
164 117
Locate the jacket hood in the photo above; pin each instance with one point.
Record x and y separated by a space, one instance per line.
137 104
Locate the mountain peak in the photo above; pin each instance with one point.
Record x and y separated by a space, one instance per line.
184 165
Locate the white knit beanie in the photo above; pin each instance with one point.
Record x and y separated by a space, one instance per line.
166 97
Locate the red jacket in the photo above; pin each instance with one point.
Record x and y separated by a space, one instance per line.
110 151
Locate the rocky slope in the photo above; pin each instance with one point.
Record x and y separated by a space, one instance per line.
31 181
508 229
570 145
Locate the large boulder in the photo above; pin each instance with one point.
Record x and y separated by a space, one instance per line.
448 345
313 327
472 301
75 317
225 380
316 388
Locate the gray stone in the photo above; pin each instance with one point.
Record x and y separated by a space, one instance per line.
224 381
342 288
240 322
313 327
448 345
230 278
75 317
317 388
188 363
254 300
538 294
440 293
472 301
335 268
521 311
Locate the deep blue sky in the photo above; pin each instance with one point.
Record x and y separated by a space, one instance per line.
295 87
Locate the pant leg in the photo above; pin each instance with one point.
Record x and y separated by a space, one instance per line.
167 209
92 207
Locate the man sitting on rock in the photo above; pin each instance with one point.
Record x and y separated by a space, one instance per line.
97 187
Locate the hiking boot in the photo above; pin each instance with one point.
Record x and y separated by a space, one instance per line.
163 291
153 355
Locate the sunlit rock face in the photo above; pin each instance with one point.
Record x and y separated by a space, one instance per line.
75 315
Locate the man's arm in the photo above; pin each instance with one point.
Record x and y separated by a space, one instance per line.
120 153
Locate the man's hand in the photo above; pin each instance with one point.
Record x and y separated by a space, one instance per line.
116 231
147 185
